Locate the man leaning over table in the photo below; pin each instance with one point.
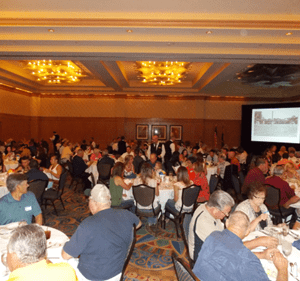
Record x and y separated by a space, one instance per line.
102 240
27 257
224 257
19 204
208 218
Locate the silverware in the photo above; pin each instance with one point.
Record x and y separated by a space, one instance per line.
295 236
265 232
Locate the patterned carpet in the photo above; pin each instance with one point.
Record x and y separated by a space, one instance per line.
151 259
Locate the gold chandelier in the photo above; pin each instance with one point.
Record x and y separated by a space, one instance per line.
55 72
162 73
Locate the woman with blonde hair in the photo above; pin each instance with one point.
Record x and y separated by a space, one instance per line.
129 167
291 176
183 182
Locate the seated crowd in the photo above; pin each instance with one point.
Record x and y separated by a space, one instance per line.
216 247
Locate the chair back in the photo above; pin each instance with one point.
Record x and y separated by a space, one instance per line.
183 273
130 251
185 242
143 194
62 182
103 170
190 195
38 188
70 167
273 197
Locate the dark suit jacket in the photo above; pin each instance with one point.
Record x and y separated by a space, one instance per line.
79 166
35 174
137 163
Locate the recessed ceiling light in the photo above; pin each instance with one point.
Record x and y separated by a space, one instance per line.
129 30
209 32
289 33
51 30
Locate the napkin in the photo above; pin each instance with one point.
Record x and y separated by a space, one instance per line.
296 244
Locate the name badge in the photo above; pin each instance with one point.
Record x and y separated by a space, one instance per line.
28 208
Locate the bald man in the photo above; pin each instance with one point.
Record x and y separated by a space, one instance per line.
223 256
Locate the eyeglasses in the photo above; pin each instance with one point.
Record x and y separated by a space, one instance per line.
261 198
225 214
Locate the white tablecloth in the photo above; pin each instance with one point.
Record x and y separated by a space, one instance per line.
166 191
54 248
3 190
211 171
93 169
269 266
11 164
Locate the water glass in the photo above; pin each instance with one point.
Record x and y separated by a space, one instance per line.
286 247
4 262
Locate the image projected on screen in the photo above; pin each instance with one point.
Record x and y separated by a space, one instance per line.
276 125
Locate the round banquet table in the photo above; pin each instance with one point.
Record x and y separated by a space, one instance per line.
54 247
94 170
166 191
268 266
10 164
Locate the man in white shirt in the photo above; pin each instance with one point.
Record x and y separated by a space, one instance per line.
66 152
128 152
222 165
158 148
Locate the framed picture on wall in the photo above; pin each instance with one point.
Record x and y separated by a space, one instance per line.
142 132
176 131
160 130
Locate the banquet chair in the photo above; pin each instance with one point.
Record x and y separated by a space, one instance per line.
144 195
104 171
54 195
185 242
279 213
75 179
189 199
231 179
130 251
183 273
37 187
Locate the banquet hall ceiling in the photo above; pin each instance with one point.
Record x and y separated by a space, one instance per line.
219 39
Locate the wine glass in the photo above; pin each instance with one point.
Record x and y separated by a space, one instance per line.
285 230
286 247
4 262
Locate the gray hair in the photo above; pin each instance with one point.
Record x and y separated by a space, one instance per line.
29 243
13 180
220 199
101 194
278 170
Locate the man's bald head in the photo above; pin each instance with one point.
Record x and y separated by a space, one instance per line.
238 223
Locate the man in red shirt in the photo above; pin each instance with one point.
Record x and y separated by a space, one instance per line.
233 159
288 196
256 174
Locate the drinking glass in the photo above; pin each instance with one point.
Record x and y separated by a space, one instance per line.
4 262
285 230
286 247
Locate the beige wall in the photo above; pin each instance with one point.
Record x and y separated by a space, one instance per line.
13 103
106 118
140 108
